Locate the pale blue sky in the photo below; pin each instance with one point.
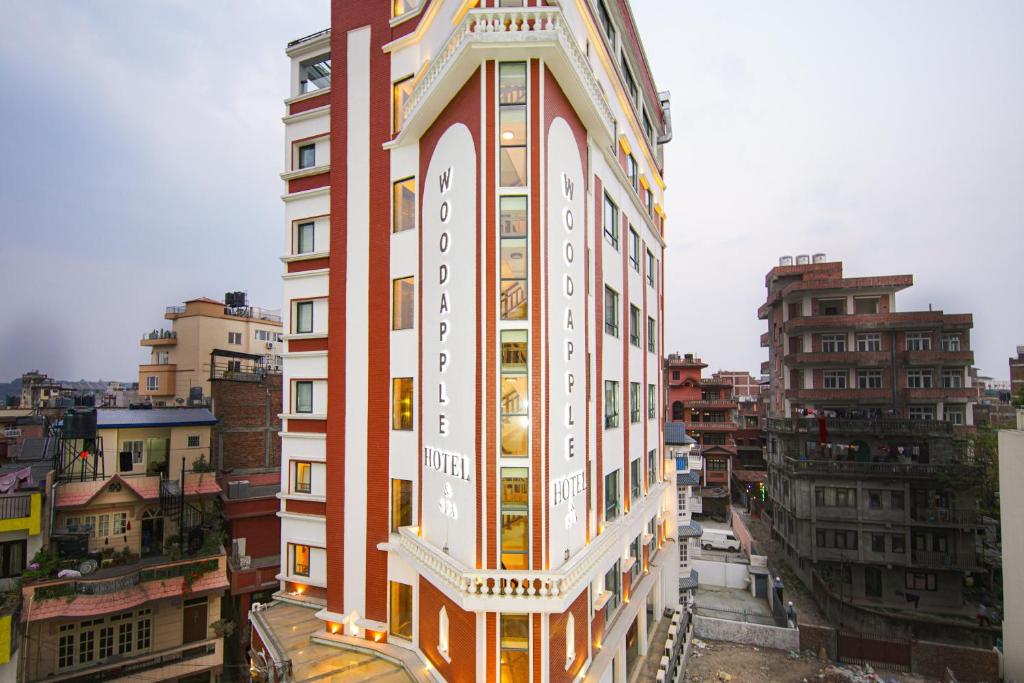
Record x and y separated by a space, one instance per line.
142 143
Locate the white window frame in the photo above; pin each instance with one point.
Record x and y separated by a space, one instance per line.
832 379
869 379
869 342
919 379
919 341
951 342
833 343
952 379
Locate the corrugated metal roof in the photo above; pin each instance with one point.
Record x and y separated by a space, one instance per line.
111 418
687 479
691 530
675 434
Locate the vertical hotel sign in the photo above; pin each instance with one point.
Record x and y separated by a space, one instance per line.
567 354
448 282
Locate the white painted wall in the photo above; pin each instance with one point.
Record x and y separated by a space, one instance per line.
449 354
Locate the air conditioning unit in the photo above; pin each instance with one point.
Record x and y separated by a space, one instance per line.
270 345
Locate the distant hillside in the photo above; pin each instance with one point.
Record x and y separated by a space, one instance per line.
10 388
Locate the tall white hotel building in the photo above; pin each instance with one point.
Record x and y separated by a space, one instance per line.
473 466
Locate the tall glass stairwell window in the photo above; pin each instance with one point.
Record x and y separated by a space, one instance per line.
512 124
514 280
515 395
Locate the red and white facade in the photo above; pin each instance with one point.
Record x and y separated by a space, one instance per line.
473 465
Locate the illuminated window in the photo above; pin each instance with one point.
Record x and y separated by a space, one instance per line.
403 292
300 559
512 124
401 91
515 518
401 403
515 648
515 394
401 503
303 477
570 640
401 610
514 274
404 205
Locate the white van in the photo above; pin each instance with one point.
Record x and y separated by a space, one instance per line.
719 539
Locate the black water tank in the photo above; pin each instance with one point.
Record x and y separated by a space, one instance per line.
80 423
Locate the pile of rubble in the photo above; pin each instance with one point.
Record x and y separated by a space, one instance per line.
848 673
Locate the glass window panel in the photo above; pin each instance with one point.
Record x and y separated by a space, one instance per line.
300 560
315 73
304 317
404 302
401 503
401 92
304 238
513 300
401 610
513 258
512 83
515 435
513 351
515 520
303 477
307 156
303 397
512 124
404 198
513 216
512 170
401 411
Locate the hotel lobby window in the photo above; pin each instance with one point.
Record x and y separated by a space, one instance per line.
515 648
401 610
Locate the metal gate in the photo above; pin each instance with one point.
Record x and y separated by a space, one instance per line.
881 652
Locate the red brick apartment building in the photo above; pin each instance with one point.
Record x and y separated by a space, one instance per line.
473 474
867 412
709 410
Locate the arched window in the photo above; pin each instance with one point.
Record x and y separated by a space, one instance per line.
677 411
442 633
570 641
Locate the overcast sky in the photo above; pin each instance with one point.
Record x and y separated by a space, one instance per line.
142 141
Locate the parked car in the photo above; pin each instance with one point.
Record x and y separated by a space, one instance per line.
719 539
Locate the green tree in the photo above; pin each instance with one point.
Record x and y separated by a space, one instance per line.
986 454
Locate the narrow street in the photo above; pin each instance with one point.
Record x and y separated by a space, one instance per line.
806 609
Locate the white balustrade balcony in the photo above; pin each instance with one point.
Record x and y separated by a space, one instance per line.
514 33
527 590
